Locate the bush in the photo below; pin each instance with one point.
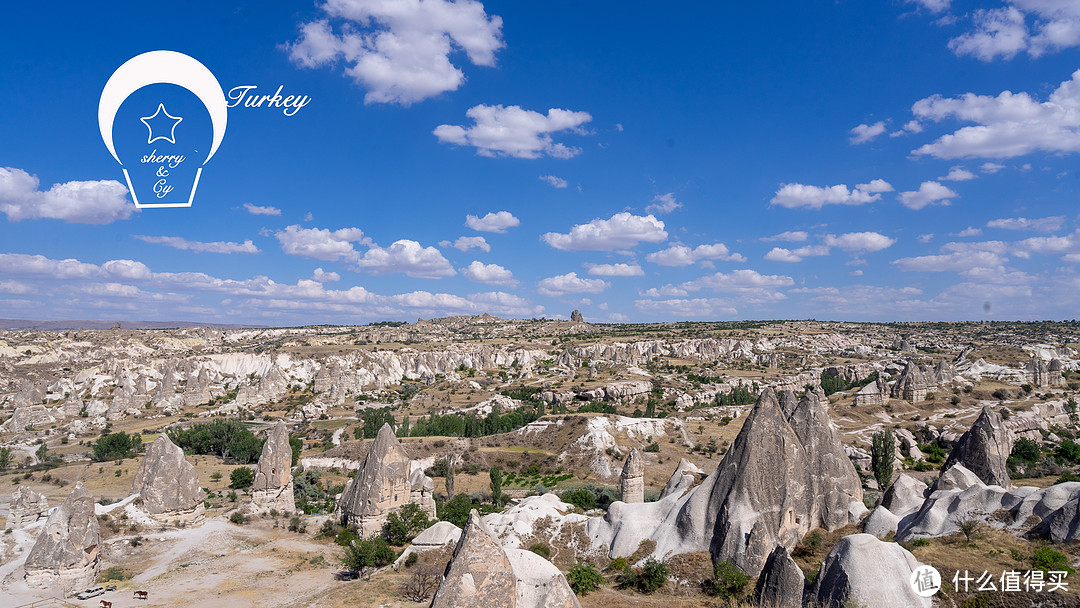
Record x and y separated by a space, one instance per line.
728 580
653 576
456 510
580 498
404 524
368 553
346 536
584 578
1047 559
241 478
238 518
652 447
115 573
1067 477
1027 450
1068 451
115 446
541 549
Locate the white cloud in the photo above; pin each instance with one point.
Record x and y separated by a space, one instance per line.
512 131
199 247
688 308
864 133
814 197
257 210
322 276
465 243
781 254
91 202
934 6
15 287
408 257
615 270
1045 224
958 174
663 203
492 274
991 167
321 243
969 231
553 181
492 222
1004 32
998 32
621 231
570 283
860 241
400 51
1005 126
925 238
928 193
797 236
960 257
681 255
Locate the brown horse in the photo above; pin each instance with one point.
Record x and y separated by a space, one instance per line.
141 595
105 604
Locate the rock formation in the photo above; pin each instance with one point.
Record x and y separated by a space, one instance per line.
881 522
912 385
383 484
576 317
875 393
439 535
27 506
781 582
482 574
273 485
861 570
984 449
904 496
1062 525
65 555
632 482
168 485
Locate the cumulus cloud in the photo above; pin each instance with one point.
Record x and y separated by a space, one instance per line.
969 231
321 243
957 174
257 210
782 254
512 131
1045 224
959 257
91 202
680 308
465 243
860 241
1005 32
663 203
322 276
796 236
399 51
492 222
621 231
553 181
570 283
934 6
408 257
864 133
929 193
1005 126
492 274
681 255
794 196
615 270
199 247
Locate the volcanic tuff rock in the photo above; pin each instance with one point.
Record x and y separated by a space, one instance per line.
984 449
168 485
864 571
65 555
1062 525
437 536
576 317
904 496
384 483
273 485
632 482
27 506
781 582
912 385
875 393
881 522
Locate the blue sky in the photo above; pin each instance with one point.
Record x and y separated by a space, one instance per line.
904 160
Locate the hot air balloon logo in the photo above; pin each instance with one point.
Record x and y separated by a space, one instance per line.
162 116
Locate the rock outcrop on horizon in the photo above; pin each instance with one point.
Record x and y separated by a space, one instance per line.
65 556
27 506
576 317
273 485
384 483
632 479
984 449
168 485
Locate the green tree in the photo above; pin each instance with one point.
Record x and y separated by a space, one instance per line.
363 555
584 578
404 524
882 455
456 510
496 485
728 580
241 478
297 446
580 497
42 453
5 458
1026 450
1068 451
115 446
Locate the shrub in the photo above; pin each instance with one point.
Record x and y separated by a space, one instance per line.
241 478
412 559
1068 451
1067 477
404 524
728 580
653 576
238 518
115 446
456 510
346 536
368 553
115 573
1047 559
920 542
579 497
1027 450
584 578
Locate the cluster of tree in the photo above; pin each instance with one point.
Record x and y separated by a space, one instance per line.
454 425
373 420
739 395
228 439
116 446
832 384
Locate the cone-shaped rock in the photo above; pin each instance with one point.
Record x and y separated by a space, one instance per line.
273 485
27 506
984 449
380 486
168 485
781 582
65 555
479 575
632 482
785 474
861 570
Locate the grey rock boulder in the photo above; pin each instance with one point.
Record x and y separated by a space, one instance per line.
168 485
27 506
904 496
65 555
864 571
881 522
1062 525
781 582
273 485
984 449
480 574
